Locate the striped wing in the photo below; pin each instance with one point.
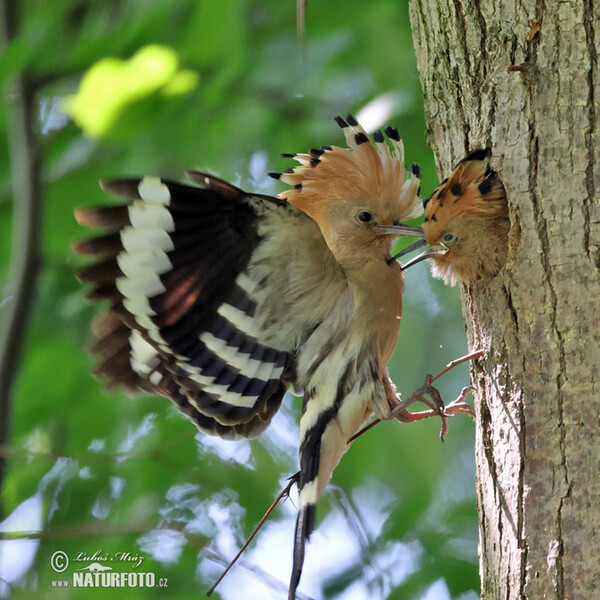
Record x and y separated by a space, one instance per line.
172 264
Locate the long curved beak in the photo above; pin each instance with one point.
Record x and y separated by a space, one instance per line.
401 230
429 253
414 246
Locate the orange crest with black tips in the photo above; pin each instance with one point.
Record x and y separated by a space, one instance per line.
367 171
466 220
472 188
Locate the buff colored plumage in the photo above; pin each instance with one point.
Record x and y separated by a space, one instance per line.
357 196
221 300
466 223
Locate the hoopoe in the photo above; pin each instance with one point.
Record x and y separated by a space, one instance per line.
466 223
222 300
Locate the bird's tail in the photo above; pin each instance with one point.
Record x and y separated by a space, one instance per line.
305 523
325 428
311 482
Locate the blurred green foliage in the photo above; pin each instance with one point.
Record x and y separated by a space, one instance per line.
112 87
106 472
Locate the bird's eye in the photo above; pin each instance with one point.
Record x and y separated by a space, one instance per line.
364 216
449 237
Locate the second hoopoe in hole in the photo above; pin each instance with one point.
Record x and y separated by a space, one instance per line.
222 300
466 223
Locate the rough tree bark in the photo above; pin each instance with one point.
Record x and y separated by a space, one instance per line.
521 76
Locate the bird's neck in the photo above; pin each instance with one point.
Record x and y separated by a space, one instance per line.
375 284
377 290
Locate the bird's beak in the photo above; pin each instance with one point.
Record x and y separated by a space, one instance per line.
436 250
415 246
401 230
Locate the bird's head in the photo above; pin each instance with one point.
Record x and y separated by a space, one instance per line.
466 223
358 195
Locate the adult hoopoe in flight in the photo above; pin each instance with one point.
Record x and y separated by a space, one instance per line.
466 223
222 300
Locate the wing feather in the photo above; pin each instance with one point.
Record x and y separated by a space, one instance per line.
180 323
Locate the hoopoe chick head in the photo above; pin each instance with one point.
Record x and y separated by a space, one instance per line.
466 222
357 195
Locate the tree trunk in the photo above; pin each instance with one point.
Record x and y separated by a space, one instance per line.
521 77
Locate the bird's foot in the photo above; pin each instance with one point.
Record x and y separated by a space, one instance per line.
431 397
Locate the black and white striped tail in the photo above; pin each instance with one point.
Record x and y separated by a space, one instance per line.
305 524
324 440
172 263
310 454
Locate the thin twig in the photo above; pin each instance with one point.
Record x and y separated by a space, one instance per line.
283 492
301 27
450 365
26 254
457 361
301 19
266 578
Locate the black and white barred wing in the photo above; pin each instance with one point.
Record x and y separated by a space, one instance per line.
172 263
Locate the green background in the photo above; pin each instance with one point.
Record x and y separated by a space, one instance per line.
104 472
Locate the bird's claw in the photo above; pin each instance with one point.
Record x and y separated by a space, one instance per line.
435 402
436 406
458 406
